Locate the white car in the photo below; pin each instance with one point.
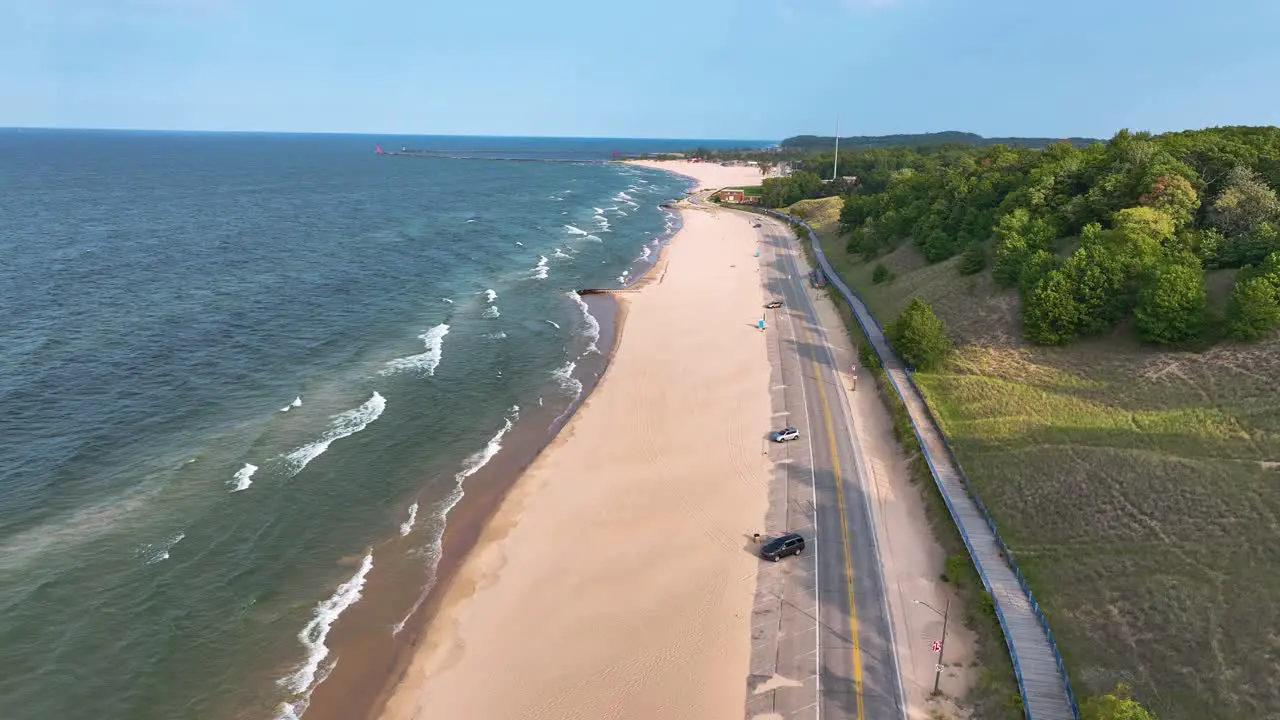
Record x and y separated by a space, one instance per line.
785 434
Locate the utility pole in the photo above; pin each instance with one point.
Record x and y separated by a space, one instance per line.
835 164
940 644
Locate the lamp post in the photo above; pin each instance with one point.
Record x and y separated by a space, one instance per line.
937 668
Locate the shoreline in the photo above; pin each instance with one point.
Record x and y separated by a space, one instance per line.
384 660
484 572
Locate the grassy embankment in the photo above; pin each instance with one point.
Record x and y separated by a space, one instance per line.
1139 489
995 696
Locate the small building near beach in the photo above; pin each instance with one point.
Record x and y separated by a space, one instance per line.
732 195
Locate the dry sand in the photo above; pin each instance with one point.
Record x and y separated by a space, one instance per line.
707 175
615 580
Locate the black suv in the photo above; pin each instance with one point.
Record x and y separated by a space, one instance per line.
782 546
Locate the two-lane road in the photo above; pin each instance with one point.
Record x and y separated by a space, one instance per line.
855 663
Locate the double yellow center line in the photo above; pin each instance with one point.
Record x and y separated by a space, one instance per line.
844 523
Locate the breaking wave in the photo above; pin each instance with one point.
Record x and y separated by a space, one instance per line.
303 680
344 424
427 361
540 270
407 525
243 477
573 230
470 466
297 402
593 325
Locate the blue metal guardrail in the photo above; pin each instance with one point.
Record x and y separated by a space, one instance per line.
982 508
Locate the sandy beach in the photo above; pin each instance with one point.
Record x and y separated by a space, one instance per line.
615 580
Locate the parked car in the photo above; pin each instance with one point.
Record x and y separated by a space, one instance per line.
772 304
756 225
782 546
785 434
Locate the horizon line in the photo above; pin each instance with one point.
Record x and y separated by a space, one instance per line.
66 128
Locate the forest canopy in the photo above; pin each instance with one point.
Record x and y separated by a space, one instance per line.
1091 236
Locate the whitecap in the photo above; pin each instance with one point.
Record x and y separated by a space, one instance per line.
540 270
593 237
407 525
491 312
519 243
447 300
496 336
561 254
572 230
243 477
303 680
297 402
344 424
424 362
551 323
440 513
592 325
490 295
153 553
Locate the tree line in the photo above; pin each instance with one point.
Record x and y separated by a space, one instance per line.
1092 236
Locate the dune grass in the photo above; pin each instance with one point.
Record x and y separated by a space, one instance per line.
1138 489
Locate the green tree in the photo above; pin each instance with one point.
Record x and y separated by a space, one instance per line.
880 274
1253 311
1244 203
1117 705
1171 305
1173 195
1050 313
919 336
974 259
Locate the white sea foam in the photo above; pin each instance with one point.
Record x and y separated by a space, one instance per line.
598 210
424 362
622 197
297 402
471 220
603 222
593 237
496 336
490 296
407 525
477 460
440 513
447 300
344 424
303 680
561 254
622 213
572 230
552 324
153 553
519 243
491 312
573 386
540 270
645 252
243 477
592 325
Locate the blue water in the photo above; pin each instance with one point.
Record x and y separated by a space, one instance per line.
166 297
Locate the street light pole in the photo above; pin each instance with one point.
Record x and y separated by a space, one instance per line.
942 644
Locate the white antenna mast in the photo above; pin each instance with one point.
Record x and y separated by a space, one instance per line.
835 164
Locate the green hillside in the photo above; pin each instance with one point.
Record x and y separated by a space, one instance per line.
921 140
1139 488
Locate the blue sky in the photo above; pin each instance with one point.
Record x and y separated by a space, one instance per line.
759 69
